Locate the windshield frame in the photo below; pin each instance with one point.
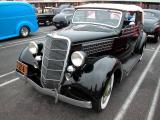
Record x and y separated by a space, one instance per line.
99 23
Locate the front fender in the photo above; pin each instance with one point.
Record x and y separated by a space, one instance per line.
27 57
157 29
93 83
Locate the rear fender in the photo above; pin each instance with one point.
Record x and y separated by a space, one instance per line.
141 42
32 28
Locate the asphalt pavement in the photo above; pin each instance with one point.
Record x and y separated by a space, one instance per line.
137 97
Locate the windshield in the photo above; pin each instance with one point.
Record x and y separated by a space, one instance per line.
109 18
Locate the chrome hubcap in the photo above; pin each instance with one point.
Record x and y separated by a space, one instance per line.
24 31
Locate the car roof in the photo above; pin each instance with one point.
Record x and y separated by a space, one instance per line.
152 10
123 7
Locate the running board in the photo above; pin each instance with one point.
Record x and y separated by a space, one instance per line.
130 63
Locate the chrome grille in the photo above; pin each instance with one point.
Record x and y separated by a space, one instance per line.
96 47
55 57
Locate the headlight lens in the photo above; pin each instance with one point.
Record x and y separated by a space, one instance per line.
78 58
33 47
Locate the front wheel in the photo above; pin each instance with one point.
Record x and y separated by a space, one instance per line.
24 32
101 103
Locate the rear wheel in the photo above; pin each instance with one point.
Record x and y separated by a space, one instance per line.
24 32
101 103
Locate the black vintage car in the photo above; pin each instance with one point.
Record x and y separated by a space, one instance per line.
63 18
46 16
152 23
80 63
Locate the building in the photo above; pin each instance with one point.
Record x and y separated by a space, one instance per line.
154 4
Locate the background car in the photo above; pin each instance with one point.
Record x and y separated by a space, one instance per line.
61 7
17 19
152 23
46 16
63 18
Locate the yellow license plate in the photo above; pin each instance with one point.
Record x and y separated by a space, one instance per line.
21 67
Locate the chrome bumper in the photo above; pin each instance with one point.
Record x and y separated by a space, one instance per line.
84 104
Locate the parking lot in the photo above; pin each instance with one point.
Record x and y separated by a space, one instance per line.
137 97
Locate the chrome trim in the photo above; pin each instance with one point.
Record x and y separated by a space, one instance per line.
71 68
55 49
52 59
67 55
83 56
50 79
98 41
55 36
96 47
50 69
56 95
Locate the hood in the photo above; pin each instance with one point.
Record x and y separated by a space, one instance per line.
87 32
61 17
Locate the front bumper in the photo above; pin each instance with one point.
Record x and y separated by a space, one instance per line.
56 95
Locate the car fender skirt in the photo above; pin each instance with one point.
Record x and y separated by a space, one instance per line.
55 94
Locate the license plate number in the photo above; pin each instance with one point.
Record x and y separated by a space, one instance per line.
21 67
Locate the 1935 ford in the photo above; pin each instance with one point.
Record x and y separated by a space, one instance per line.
80 63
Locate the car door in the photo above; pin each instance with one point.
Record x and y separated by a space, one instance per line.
131 29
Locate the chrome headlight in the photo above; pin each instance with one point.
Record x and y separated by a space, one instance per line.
33 47
78 58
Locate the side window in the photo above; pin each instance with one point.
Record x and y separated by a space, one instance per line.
130 17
